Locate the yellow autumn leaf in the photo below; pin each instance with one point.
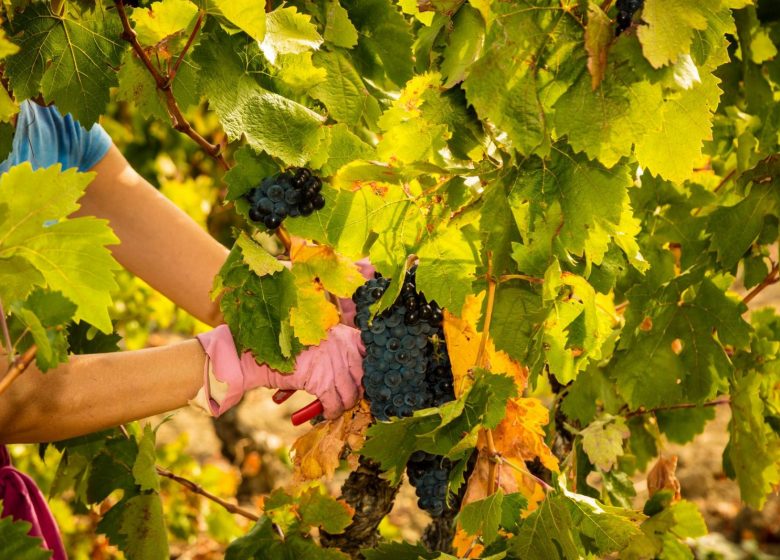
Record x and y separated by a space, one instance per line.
317 453
312 315
320 264
463 341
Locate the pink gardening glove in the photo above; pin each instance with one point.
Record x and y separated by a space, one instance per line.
332 371
347 306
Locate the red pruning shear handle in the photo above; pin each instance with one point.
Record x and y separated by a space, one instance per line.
302 415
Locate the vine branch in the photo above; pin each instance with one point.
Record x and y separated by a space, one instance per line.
165 82
481 362
190 40
17 368
197 489
6 334
680 406
772 277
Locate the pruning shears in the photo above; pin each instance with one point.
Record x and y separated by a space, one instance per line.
301 415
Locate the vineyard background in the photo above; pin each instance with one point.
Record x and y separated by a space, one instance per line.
245 454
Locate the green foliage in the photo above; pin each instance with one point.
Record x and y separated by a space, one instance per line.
35 206
18 544
613 187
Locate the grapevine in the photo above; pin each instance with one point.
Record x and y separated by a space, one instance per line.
293 193
573 214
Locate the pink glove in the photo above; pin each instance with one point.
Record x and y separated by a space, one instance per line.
332 371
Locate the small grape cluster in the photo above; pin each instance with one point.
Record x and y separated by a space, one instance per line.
407 368
295 192
428 474
626 10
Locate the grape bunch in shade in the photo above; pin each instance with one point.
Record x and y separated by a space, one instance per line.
626 10
407 368
295 192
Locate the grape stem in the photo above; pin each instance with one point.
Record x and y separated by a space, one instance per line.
190 40
481 362
6 334
532 279
680 406
198 489
19 365
772 277
164 83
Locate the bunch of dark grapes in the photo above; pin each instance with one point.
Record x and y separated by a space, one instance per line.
428 474
407 368
295 192
626 10
396 360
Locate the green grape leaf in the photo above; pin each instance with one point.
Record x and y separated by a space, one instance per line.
343 92
247 15
338 28
464 45
602 440
256 258
670 27
448 264
736 227
547 533
673 355
482 517
518 317
681 426
83 338
754 449
343 146
268 121
320 510
136 85
257 310
508 94
684 121
17 544
609 529
595 209
591 390
249 170
297 72
384 49
163 19
143 527
38 233
607 122
45 314
144 471
71 60
289 32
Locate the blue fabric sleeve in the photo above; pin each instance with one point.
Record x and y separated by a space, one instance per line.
44 137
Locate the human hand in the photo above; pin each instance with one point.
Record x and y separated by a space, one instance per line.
332 371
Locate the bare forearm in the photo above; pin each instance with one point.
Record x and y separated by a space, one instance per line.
98 391
159 242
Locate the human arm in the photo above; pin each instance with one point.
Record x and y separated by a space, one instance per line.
98 391
158 241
